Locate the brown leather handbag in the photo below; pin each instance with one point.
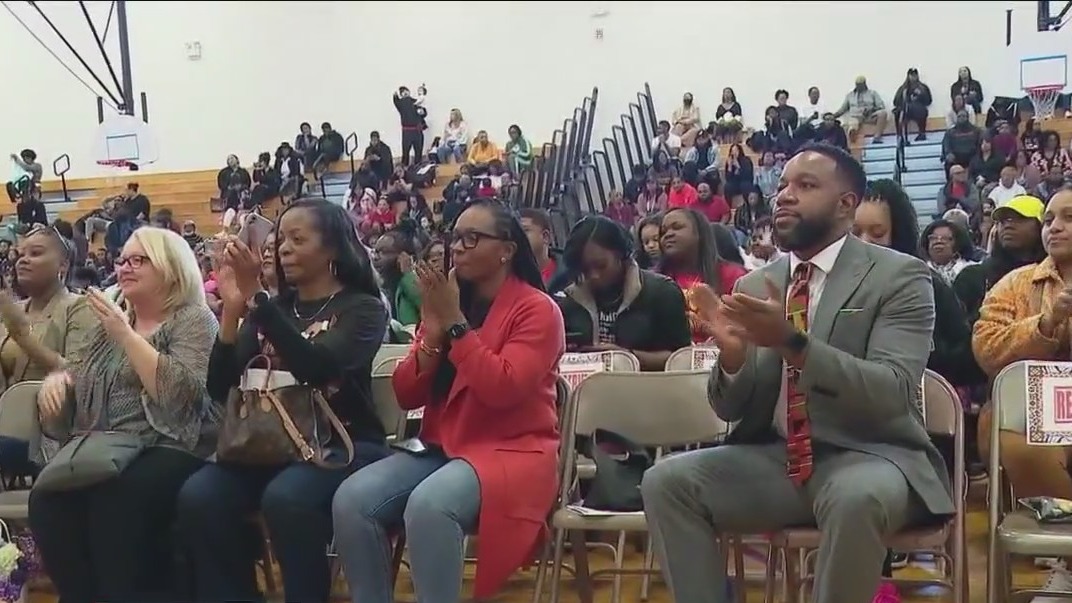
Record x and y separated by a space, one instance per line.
278 426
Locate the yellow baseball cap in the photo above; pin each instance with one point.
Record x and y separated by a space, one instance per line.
1026 206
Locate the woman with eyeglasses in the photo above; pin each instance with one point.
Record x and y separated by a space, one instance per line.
484 368
42 332
322 330
142 375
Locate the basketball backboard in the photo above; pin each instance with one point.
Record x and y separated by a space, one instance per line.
123 139
1048 71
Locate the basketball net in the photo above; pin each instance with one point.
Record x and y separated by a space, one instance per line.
115 163
1044 100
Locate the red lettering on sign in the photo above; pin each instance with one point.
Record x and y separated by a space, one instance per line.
1062 404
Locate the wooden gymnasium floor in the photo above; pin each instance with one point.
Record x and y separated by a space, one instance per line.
520 588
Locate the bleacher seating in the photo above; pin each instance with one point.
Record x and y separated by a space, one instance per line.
923 173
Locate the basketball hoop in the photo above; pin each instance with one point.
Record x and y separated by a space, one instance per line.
124 140
1044 100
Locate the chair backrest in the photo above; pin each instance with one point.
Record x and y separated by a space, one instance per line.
943 413
682 359
388 351
18 413
383 397
1009 398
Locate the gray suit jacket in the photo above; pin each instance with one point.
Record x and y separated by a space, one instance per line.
869 343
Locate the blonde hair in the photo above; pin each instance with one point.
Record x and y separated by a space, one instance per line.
171 255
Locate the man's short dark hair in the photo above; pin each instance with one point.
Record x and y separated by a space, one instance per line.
780 93
847 165
132 187
539 217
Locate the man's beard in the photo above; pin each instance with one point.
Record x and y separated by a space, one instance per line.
807 233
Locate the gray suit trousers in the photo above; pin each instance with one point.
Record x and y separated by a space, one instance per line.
856 499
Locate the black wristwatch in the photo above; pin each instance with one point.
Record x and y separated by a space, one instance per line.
457 330
257 299
797 342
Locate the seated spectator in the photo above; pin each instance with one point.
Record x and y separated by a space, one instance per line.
969 89
611 304
435 254
481 153
958 107
330 147
537 226
702 162
621 212
768 175
787 114
455 141
665 140
484 368
947 248
689 257
44 330
988 164
811 116
958 191
1051 155
191 236
518 151
323 329
648 234
233 182
961 142
635 185
910 104
136 202
652 199
266 182
761 248
1055 179
662 169
1017 242
682 194
393 257
776 135
687 123
740 175
1031 138
288 166
1005 140
269 277
1007 188
712 205
1025 317
142 374
831 132
30 209
746 214
411 114
21 188
863 106
728 122
383 214
306 145
378 159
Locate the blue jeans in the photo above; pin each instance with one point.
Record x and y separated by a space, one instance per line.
436 500
215 514
447 150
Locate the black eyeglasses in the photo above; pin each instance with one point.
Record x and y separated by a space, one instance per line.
471 238
134 261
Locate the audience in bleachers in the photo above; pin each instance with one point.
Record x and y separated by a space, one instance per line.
863 106
911 105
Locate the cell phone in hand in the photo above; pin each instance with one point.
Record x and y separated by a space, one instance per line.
255 231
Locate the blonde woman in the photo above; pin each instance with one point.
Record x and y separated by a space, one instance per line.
455 140
143 374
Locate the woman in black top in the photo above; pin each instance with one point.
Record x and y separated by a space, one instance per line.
326 286
613 304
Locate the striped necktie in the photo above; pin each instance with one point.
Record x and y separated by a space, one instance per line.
798 465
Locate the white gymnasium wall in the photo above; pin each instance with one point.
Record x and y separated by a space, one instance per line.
267 66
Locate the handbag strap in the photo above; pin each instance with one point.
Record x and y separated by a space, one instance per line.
304 448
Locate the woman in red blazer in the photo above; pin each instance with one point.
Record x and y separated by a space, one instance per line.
484 369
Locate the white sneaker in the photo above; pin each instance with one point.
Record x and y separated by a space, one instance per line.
1059 579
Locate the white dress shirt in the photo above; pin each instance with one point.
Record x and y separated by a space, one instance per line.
822 263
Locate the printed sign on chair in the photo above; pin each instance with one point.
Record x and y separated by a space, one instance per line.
1049 403
575 367
704 357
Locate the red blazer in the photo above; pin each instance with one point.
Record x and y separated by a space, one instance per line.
500 417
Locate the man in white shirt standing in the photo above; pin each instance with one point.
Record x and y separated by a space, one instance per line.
1007 187
822 353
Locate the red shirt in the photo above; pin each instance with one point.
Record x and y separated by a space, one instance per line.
548 271
622 213
383 218
716 209
685 197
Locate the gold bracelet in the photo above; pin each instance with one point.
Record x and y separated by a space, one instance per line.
427 349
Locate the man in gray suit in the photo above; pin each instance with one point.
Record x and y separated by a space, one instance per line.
829 433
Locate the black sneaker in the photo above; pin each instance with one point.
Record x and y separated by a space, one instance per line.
921 136
899 560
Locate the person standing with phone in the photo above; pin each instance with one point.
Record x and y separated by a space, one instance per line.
411 112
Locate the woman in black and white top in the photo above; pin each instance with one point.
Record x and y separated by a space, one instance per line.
324 328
